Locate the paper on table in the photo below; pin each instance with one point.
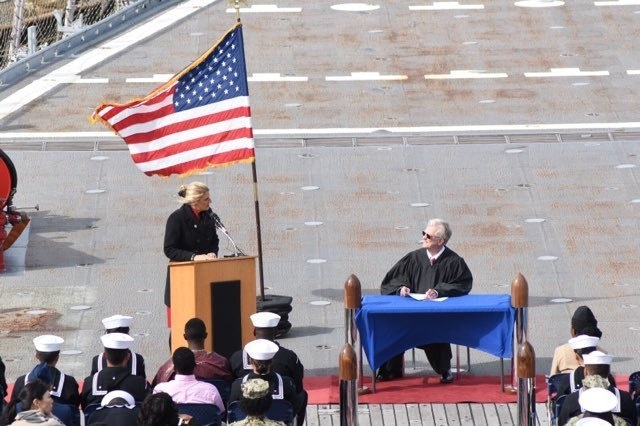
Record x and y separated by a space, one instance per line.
422 296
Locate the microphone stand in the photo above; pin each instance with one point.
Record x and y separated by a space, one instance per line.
237 251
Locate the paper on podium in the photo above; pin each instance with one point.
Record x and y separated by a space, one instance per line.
423 296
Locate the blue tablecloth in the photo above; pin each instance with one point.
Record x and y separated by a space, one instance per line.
389 325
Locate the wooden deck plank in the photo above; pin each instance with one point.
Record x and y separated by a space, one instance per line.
388 414
413 414
453 417
400 412
426 414
478 417
504 415
439 415
375 415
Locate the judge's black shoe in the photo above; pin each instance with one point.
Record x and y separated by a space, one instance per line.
385 376
447 378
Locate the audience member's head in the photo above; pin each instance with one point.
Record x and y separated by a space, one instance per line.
597 363
261 353
584 322
33 396
48 348
597 404
265 325
116 348
118 398
195 330
583 344
117 324
158 409
256 397
184 361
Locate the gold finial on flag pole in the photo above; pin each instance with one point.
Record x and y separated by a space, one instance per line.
236 5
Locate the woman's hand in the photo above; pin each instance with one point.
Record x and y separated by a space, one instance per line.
208 256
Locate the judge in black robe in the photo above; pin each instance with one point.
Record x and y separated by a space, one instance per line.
434 270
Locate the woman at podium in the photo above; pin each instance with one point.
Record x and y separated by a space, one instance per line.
190 233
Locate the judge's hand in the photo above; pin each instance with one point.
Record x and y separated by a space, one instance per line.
431 294
404 291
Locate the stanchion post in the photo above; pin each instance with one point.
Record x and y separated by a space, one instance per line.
520 301
353 302
348 373
526 361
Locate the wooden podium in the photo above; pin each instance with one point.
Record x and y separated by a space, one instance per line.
222 293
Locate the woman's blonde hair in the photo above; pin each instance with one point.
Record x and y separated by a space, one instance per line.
192 192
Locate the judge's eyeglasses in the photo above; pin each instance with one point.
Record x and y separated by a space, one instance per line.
429 236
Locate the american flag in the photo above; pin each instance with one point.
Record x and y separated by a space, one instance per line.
199 118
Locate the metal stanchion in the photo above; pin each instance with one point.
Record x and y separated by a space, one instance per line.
520 301
353 302
526 361
348 392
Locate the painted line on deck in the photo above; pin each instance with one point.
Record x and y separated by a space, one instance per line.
617 3
366 76
462 74
265 8
491 128
273 76
566 72
448 5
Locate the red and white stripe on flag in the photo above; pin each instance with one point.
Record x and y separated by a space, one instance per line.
198 119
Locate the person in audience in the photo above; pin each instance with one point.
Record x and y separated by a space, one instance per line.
158 409
185 388
582 345
597 367
285 362
583 322
209 365
255 402
119 324
435 271
597 405
64 388
116 375
36 403
117 408
3 384
261 353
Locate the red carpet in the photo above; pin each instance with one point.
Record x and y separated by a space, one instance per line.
480 389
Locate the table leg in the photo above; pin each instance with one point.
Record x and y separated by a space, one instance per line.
373 382
457 362
468 359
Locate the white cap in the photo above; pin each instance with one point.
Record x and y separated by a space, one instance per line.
597 357
48 343
597 400
583 341
261 349
265 320
117 394
593 421
116 321
116 340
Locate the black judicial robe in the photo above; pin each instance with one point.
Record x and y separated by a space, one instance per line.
64 388
135 364
449 276
113 378
285 362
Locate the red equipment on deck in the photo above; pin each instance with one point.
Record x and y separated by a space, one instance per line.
8 215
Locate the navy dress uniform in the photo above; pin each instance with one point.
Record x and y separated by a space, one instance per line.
285 362
116 408
64 388
114 324
281 387
112 378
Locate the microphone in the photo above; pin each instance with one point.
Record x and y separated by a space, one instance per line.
217 222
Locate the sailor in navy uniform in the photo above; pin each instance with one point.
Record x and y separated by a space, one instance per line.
64 388
285 362
261 353
119 324
116 375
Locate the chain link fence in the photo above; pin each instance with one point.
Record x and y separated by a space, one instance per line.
27 26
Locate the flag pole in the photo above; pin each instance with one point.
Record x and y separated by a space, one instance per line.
255 194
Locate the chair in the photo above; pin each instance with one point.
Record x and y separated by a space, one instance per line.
558 407
553 386
224 388
69 414
89 409
205 414
280 410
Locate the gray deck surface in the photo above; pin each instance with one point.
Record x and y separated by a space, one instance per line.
560 206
